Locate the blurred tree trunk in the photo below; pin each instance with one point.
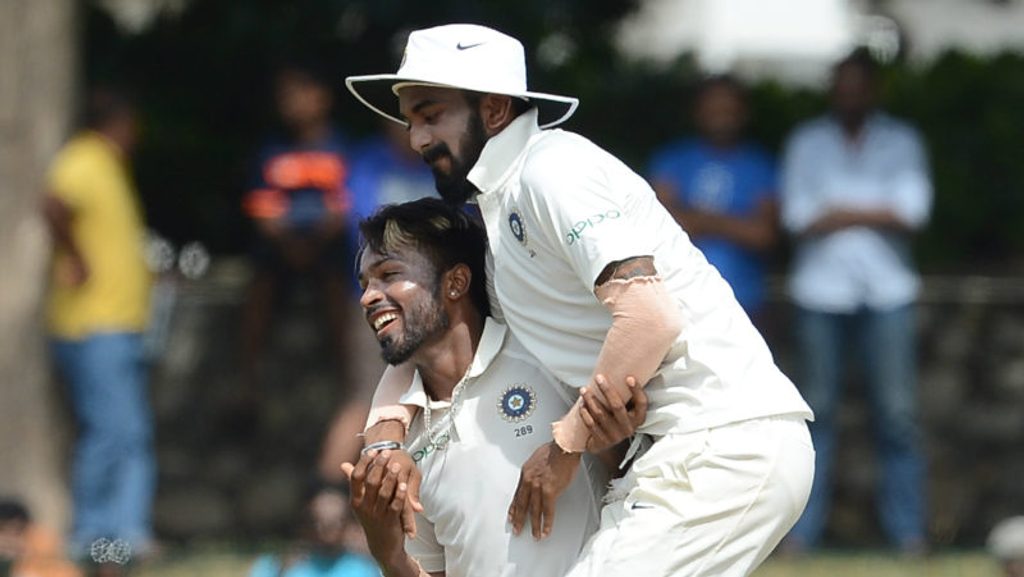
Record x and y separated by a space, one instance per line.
37 73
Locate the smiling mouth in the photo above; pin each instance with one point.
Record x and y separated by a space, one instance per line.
383 320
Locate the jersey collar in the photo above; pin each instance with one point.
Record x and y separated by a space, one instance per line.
491 341
501 151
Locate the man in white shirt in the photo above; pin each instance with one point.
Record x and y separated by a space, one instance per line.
855 189
484 405
595 278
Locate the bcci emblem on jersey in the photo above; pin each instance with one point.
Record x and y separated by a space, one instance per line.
517 403
515 222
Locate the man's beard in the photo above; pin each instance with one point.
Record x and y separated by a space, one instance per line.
454 187
420 323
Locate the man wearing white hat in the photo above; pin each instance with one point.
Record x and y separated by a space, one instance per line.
594 277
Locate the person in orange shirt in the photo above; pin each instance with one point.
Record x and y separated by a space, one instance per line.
299 205
96 311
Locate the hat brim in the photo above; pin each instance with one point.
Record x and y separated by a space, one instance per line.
375 91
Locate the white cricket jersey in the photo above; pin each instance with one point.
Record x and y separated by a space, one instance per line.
558 209
502 416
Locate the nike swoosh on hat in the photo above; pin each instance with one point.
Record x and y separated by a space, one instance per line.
462 46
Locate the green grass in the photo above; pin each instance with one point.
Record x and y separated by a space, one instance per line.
876 564
228 563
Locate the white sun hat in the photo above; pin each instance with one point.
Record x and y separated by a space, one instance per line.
463 56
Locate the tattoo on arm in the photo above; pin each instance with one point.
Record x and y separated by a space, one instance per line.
627 269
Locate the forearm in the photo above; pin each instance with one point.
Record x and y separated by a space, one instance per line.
399 564
58 219
749 233
874 218
645 323
389 419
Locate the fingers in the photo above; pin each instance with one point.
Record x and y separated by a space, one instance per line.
347 469
374 478
548 507
593 401
388 486
520 503
598 437
409 521
358 477
639 400
536 509
415 478
621 425
401 489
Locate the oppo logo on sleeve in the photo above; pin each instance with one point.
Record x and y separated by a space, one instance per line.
582 226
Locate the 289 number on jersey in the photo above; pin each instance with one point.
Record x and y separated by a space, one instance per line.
523 431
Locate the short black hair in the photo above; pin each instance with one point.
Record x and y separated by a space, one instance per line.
13 510
105 103
728 81
860 58
446 235
306 70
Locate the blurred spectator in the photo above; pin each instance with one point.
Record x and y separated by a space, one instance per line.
27 549
721 189
332 543
96 311
299 205
855 189
385 170
1006 543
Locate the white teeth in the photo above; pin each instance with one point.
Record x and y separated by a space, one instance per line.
383 320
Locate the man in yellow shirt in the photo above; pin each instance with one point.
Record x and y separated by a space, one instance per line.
97 307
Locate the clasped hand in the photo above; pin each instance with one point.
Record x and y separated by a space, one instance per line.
609 419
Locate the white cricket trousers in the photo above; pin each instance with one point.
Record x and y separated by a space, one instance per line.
714 502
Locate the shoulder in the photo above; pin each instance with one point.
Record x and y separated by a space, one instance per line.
82 150
898 129
82 160
683 148
811 129
560 155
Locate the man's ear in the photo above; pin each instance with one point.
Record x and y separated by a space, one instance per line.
496 113
456 281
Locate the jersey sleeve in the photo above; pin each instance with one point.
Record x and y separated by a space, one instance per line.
69 177
587 200
424 548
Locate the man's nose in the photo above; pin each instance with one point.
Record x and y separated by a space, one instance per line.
371 295
419 138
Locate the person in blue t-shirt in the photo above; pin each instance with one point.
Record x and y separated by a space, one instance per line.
385 170
330 545
722 190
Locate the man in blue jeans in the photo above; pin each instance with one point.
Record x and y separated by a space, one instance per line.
855 188
97 307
